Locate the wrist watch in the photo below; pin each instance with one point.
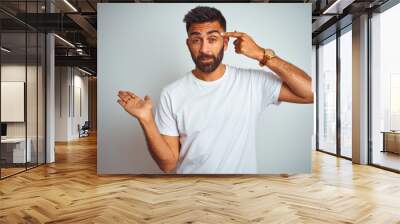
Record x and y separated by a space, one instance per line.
268 54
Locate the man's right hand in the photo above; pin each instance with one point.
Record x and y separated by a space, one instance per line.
163 148
135 106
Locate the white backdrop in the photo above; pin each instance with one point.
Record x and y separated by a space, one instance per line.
141 47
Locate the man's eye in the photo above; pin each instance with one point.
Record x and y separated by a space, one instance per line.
212 40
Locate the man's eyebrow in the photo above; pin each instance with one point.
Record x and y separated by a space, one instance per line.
213 31
209 32
194 33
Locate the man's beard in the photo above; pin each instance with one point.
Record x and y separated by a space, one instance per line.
208 68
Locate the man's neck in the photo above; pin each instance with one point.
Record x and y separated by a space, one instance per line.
216 74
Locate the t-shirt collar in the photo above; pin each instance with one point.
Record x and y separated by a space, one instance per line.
210 83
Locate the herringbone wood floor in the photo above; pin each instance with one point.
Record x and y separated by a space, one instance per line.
69 191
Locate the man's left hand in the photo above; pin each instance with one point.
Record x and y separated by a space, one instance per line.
245 45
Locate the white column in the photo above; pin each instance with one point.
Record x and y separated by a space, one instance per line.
50 92
360 90
50 82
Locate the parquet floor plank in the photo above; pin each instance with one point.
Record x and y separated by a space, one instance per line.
70 191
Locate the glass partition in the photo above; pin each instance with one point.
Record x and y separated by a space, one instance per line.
327 95
346 93
22 77
13 94
385 89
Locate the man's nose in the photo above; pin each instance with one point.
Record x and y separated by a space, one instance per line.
205 48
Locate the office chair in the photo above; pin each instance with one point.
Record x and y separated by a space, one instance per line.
84 130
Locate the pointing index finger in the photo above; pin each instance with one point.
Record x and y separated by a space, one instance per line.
233 34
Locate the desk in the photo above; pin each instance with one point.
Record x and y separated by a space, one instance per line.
16 151
391 141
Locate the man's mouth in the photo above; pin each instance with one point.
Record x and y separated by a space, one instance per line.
206 60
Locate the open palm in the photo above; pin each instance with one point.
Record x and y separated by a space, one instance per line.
134 105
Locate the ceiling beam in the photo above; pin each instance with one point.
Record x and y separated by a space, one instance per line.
83 61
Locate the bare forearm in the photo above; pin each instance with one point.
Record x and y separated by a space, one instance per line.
295 78
159 149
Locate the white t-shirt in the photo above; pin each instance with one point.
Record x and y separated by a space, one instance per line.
216 120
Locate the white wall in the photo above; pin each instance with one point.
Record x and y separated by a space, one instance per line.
61 103
80 83
68 81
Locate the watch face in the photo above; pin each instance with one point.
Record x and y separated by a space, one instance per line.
270 53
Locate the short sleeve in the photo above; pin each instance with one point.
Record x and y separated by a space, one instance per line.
270 87
164 118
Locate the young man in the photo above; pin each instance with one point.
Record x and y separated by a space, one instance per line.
206 121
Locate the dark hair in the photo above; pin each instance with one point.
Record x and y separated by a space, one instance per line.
202 14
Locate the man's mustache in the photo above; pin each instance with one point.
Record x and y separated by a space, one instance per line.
202 57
